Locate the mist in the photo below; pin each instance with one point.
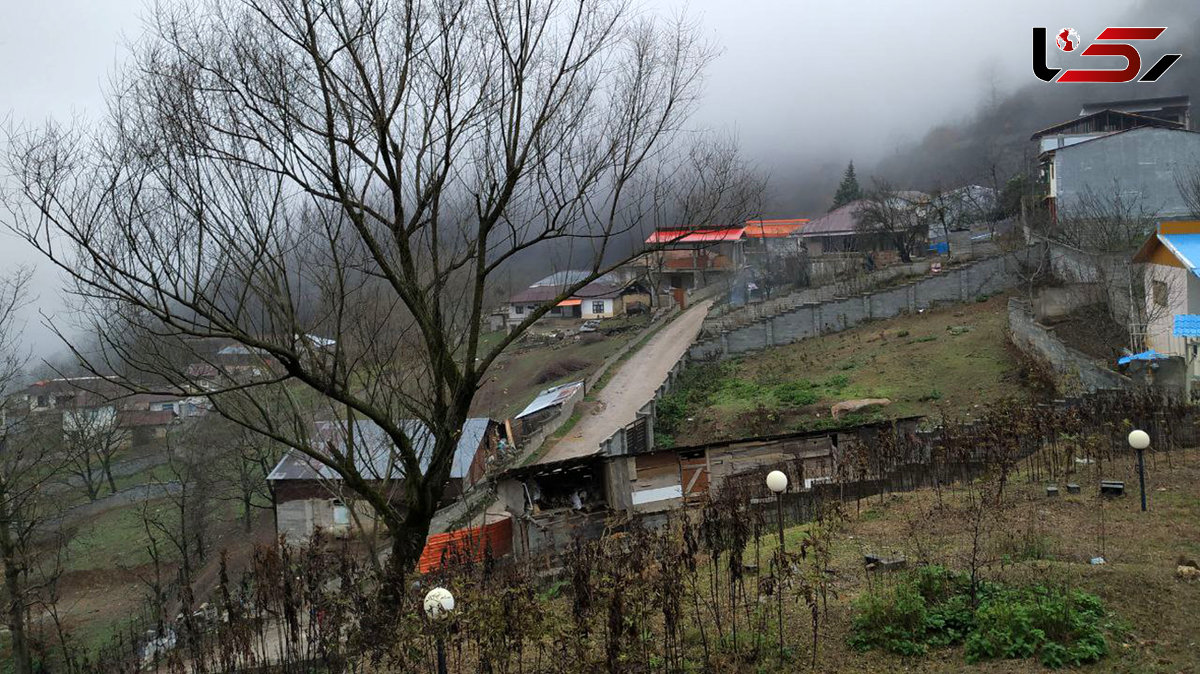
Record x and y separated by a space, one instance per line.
922 94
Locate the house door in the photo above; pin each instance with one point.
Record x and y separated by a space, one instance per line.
693 471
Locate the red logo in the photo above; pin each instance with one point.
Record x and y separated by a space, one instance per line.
1067 39
1110 42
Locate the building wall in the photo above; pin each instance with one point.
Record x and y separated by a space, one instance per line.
1183 297
1142 162
1074 371
609 307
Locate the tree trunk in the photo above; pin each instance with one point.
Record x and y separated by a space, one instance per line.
112 484
246 523
22 663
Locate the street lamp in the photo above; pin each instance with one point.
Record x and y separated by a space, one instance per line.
438 604
777 482
1140 440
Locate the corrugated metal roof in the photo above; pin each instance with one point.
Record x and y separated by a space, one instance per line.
592 291
772 229
374 450
555 395
698 235
1187 325
837 222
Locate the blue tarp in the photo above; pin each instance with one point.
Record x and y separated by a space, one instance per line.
941 248
1187 325
1145 355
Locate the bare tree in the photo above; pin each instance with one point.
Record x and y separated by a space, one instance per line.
902 218
333 184
26 509
1091 241
92 439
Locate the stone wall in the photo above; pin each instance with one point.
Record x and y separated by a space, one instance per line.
1074 371
957 284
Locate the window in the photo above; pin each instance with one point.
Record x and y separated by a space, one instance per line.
1159 290
43 401
519 309
341 514
168 407
598 307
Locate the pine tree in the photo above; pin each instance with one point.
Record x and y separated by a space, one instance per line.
847 191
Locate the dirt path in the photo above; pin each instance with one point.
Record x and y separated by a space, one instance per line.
630 387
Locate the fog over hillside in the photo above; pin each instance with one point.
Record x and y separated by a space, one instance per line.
925 94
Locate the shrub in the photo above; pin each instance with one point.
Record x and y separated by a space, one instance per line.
796 393
559 369
837 382
894 620
932 607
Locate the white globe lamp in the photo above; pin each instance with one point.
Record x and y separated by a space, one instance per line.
439 603
777 481
1139 439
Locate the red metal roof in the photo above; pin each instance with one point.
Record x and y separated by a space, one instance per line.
696 235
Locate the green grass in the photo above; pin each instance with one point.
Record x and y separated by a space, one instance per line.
922 363
115 539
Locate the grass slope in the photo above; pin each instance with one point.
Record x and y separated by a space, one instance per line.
955 359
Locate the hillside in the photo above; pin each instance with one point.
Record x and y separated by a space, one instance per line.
950 360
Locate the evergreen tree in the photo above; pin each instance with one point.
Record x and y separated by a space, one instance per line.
847 191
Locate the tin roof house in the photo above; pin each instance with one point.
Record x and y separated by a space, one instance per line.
308 495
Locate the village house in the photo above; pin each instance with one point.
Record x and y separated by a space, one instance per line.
606 297
693 257
764 239
1171 256
308 495
838 231
1136 147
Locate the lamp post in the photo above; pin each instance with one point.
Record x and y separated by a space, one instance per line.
438 604
1140 440
777 482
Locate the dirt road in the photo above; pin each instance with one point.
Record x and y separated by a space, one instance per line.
630 387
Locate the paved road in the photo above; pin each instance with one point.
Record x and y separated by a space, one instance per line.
630 387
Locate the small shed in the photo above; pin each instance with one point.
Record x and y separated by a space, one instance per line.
307 494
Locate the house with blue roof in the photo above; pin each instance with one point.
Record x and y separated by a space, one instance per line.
1171 256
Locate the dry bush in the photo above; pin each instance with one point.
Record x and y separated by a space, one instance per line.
560 368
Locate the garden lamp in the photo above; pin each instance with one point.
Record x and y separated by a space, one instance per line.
1140 440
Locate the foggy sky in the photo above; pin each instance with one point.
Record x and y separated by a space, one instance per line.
799 83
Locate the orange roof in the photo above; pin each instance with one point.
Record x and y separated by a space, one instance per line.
773 229
570 303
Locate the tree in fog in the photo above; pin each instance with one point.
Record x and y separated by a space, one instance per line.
900 217
848 190
335 184
92 438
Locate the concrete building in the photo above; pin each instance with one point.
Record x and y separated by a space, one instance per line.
1111 147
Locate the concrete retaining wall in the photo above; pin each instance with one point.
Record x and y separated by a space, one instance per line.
1074 371
958 284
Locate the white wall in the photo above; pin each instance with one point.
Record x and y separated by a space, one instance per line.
589 312
1183 297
